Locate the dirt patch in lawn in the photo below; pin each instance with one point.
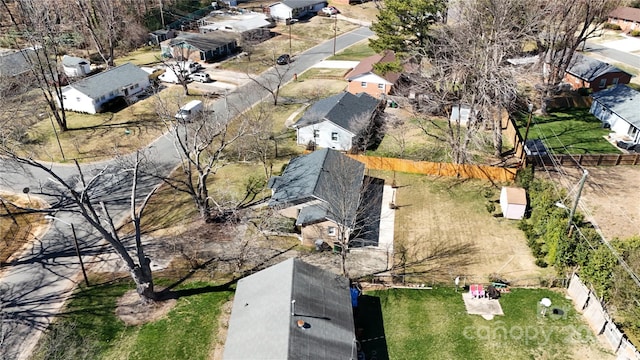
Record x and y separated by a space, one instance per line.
608 195
133 311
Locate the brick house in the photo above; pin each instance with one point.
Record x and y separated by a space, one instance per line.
627 18
587 72
364 78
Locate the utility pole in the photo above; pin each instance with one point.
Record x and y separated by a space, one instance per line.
335 33
161 14
75 242
575 203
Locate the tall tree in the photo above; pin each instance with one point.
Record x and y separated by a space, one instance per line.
403 25
82 195
203 145
38 25
564 25
109 23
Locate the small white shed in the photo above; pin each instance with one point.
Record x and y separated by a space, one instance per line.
513 201
75 67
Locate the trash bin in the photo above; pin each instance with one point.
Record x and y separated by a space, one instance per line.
337 248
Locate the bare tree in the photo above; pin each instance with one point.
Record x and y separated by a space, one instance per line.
108 23
39 27
352 201
203 145
564 26
84 196
272 79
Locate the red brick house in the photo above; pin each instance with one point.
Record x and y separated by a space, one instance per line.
587 72
627 18
364 78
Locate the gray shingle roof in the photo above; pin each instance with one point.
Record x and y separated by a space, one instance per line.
325 175
263 322
73 61
16 63
589 69
295 4
345 110
115 78
204 42
622 100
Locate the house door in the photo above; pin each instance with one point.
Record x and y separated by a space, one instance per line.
126 91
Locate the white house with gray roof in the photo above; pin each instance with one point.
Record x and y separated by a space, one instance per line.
337 122
90 94
619 107
292 310
295 9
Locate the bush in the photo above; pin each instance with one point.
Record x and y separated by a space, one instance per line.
611 26
635 33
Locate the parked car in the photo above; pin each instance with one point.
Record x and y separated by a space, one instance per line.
329 10
200 77
627 145
283 59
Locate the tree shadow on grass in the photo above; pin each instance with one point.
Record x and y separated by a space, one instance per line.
170 293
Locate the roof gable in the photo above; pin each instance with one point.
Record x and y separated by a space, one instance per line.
626 13
367 66
589 69
345 110
622 100
268 304
113 79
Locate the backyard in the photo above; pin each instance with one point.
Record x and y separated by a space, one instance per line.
569 131
432 323
392 324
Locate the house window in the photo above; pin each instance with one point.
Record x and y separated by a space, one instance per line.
78 99
603 83
64 97
633 131
316 133
331 231
615 81
381 86
363 84
334 136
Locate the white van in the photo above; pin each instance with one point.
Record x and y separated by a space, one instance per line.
188 111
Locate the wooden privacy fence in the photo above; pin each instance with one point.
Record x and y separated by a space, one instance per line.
437 169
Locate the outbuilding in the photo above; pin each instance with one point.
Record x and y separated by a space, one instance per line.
513 201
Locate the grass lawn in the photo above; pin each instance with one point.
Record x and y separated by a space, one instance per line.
90 324
433 324
438 211
356 52
573 131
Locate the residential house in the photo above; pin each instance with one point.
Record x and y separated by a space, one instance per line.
199 47
15 63
364 77
158 36
75 66
295 9
250 26
627 18
91 94
291 310
339 122
321 190
617 107
587 72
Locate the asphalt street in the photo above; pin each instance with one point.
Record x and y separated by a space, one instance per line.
34 286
